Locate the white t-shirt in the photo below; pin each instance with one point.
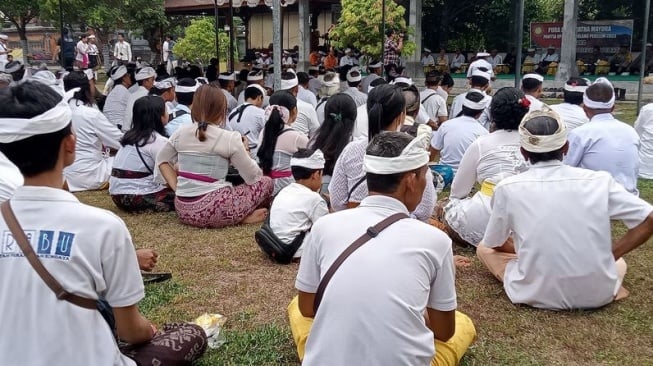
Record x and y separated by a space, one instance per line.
116 104
572 115
294 210
457 103
127 158
250 124
306 122
10 178
559 217
358 96
129 108
90 252
454 137
433 104
607 144
361 128
307 96
94 132
372 312
480 63
644 128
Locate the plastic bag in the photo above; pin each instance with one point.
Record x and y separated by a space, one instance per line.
213 327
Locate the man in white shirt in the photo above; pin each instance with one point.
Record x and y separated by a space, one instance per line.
453 138
571 110
479 81
145 79
184 93
427 58
79 245
116 102
548 58
495 58
330 87
644 128
457 61
531 61
482 64
306 122
249 118
168 57
254 77
354 78
304 93
531 85
434 106
286 60
227 82
314 82
549 237
406 283
122 51
605 143
376 71
299 205
347 59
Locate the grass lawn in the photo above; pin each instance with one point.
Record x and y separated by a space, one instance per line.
223 271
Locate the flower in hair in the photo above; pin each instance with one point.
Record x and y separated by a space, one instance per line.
524 102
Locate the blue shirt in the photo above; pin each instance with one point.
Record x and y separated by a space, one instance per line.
175 123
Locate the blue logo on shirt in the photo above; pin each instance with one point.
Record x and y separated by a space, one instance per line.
47 244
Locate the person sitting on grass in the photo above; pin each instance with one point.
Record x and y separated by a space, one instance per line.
531 85
561 255
279 141
204 151
453 138
571 110
132 185
87 250
298 206
406 272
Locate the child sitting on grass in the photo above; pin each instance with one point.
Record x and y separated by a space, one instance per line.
295 208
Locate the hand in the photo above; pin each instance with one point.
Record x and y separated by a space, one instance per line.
147 259
461 261
245 143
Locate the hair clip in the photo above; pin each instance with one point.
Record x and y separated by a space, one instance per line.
202 125
336 117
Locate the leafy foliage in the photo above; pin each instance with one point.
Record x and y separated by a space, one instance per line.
360 26
198 42
20 12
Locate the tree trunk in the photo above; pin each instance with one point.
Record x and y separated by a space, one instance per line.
22 33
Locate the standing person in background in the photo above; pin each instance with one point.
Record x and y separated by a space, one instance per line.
67 50
168 44
4 51
81 52
93 52
392 48
122 51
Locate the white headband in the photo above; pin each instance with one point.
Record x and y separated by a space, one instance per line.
592 104
414 156
145 73
53 120
575 88
289 84
402 79
539 143
255 76
483 74
376 65
119 73
259 88
315 161
476 105
228 77
351 78
165 84
187 89
333 82
537 77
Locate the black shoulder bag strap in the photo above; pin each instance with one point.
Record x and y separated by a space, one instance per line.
143 160
358 183
239 112
176 114
427 98
322 101
371 232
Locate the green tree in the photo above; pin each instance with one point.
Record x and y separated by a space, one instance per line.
20 13
198 42
360 26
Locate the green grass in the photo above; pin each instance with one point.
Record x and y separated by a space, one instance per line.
223 271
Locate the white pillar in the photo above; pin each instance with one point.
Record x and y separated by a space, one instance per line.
276 42
413 65
304 35
567 66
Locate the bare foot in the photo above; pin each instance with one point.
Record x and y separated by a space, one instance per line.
256 217
461 261
621 294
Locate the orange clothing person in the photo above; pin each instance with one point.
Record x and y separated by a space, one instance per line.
314 58
331 61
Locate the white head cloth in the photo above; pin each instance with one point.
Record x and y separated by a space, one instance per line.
202 80
119 73
592 104
291 70
48 78
482 54
53 120
255 76
575 88
165 84
351 78
485 75
315 161
402 79
145 73
335 82
482 104
289 84
283 111
538 143
262 89
427 50
227 76
187 89
4 37
414 156
375 65
537 77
